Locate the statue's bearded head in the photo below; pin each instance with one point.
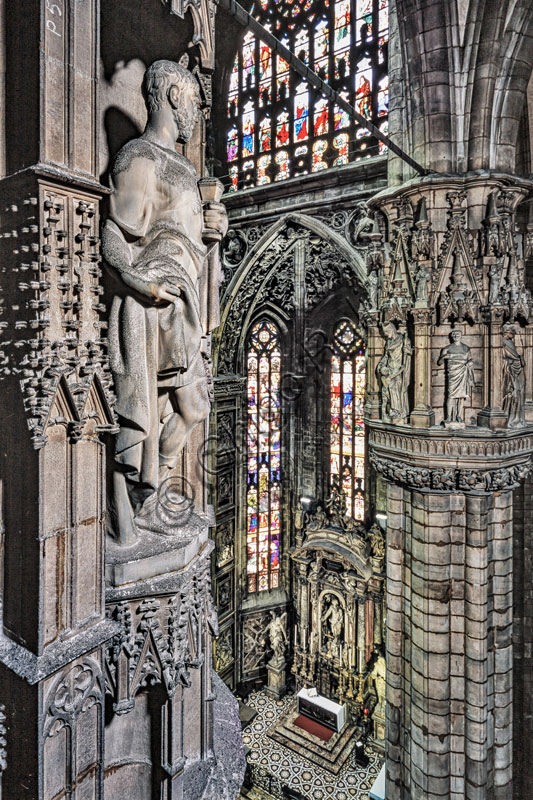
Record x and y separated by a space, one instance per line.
169 84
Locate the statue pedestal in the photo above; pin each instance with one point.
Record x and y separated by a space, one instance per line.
493 418
276 670
155 554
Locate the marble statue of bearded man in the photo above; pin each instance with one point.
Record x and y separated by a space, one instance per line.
153 242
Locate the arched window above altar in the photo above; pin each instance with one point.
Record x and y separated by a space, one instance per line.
263 491
347 430
279 126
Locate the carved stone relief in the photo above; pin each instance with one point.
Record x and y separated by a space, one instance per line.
254 651
450 479
225 431
224 585
74 693
225 489
225 536
224 648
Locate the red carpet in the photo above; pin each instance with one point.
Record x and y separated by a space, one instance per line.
313 727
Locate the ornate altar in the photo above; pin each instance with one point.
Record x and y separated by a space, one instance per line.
338 635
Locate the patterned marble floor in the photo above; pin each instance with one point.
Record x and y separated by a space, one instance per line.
290 769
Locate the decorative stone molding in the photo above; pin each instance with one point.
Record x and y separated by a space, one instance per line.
161 638
3 741
203 13
472 445
77 690
452 479
52 330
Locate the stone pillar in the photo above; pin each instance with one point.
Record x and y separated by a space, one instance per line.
374 351
449 691
450 498
528 358
501 583
422 415
361 634
56 385
492 415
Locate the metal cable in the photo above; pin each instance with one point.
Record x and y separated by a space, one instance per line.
244 18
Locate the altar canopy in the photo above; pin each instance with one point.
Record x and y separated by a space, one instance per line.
338 635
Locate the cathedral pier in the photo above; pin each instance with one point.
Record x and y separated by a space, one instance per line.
450 487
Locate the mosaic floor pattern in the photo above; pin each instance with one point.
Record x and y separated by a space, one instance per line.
293 769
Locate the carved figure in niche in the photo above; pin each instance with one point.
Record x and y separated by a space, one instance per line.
234 248
394 370
318 521
314 572
165 300
495 275
372 288
300 517
377 542
423 277
335 615
224 651
378 676
336 503
277 634
514 380
457 360
362 226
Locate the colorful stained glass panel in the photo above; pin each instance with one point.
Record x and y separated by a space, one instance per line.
264 493
347 434
328 35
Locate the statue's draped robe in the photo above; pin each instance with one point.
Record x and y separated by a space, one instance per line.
154 233
514 384
397 360
460 373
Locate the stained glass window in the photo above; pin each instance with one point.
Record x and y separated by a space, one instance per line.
347 430
264 466
270 107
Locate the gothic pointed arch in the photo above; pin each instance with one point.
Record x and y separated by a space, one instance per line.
266 274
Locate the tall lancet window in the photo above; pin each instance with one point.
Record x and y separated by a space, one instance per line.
264 465
347 443
278 126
